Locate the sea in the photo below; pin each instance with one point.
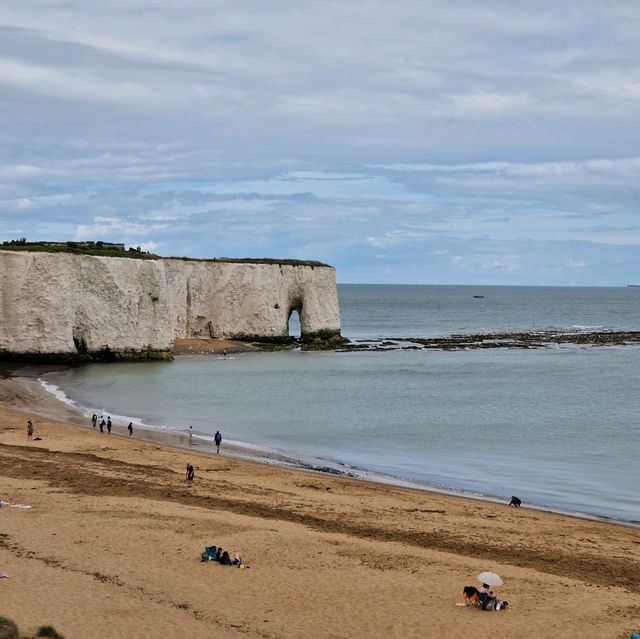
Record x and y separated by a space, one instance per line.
558 427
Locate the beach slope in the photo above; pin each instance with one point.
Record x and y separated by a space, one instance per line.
111 548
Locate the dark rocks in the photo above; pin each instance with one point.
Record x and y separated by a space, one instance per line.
518 339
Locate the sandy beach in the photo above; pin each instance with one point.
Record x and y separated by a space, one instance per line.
111 547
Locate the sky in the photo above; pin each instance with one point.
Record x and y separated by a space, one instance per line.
417 141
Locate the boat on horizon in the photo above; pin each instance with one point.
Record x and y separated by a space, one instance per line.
633 285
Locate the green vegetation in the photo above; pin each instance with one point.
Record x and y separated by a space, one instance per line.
276 346
48 631
104 355
105 249
252 260
109 249
320 341
9 630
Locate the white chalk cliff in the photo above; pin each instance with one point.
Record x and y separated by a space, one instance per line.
77 305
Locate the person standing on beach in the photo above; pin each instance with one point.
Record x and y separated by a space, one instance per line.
109 424
190 429
191 473
130 428
29 430
94 421
217 438
102 425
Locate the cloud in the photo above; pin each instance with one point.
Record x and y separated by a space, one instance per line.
576 265
506 263
20 171
70 84
148 246
389 142
108 226
616 166
489 103
610 84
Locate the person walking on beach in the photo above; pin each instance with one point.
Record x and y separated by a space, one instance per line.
102 425
94 421
29 430
217 438
109 425
130 428
191 473
190 429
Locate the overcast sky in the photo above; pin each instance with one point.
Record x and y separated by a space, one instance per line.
400 141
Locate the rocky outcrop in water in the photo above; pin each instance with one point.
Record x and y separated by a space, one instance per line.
519 339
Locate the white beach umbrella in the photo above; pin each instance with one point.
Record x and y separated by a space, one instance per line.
490 578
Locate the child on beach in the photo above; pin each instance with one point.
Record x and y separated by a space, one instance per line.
29 430
191 473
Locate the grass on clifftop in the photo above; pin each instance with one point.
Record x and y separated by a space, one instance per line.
77 248
102 250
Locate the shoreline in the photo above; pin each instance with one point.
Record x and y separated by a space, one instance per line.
113 521
67 411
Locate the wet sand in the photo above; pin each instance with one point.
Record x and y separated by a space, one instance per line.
111 546
205 346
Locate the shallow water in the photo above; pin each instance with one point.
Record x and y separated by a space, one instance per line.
557 427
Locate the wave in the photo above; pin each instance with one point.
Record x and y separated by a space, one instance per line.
57 392
119 420
587 329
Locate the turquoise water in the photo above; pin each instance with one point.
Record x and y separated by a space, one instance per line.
557 427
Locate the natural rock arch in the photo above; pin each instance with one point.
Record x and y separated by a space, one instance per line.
293 321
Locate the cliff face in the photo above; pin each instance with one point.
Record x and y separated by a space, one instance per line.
76 306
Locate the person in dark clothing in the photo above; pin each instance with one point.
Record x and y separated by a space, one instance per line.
102 425
217 438
130 428
109 425
94 420
191 473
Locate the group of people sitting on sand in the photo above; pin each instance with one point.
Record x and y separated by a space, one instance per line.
216 553
485 598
